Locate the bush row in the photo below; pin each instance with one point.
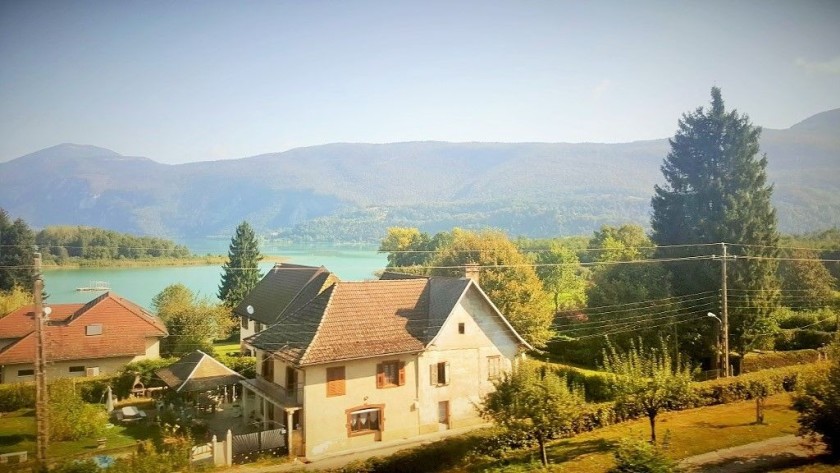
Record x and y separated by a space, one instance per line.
596 386
778 359
16 396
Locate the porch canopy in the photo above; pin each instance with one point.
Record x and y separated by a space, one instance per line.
198 372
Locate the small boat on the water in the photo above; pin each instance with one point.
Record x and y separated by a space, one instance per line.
95 286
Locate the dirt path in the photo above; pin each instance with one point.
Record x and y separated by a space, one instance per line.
778 452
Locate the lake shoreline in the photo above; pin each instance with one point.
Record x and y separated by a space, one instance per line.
154 263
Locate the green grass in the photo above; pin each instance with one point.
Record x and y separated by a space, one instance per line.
17 433
225 347
690 432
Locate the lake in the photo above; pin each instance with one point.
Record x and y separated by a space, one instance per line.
140 285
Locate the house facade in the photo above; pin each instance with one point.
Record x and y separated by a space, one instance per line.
379 361
99 337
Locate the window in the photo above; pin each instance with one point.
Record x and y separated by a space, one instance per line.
93 329
494 367
267 367
365 420
462 328
390 374
244 322
335 381
76 369
22 373
439 374
258 327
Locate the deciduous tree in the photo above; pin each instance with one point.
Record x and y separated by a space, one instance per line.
534 400
241 272
193 323
647 379
558 267
507 277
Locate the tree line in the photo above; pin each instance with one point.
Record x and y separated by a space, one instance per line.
570 295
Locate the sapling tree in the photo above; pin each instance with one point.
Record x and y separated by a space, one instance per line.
649 379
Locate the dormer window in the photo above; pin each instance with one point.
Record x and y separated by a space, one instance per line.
93 329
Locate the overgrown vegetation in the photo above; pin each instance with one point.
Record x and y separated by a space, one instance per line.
818 404
71 418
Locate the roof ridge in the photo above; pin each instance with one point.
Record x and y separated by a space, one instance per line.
197 364
333 289
132 307
88 305
320 270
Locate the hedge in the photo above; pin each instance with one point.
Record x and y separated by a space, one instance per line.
758 361
596 386
22 395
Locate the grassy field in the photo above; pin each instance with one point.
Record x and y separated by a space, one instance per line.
17 433
690 432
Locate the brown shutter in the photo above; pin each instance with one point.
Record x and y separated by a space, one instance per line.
335 381
380 376
402 373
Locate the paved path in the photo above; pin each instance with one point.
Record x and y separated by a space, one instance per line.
778 452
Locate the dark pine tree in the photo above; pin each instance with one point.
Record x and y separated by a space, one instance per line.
241 272
716 191
17 245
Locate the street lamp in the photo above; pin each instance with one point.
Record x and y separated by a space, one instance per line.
724 358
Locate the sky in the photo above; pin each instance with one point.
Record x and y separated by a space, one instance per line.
184 81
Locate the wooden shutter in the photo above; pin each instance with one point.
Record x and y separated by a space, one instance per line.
433 374
335 381
446 374
380 376
402 373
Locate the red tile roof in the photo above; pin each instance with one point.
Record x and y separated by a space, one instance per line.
352 320
125 328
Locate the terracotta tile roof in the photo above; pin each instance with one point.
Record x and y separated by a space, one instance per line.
353 320
125 328
286 287
391 275
196 372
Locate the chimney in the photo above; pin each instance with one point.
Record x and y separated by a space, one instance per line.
472 272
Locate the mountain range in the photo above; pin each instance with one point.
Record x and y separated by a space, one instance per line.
353 192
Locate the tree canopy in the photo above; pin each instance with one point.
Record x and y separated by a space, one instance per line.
648 379
193 323
534 400
17 248
241 272
716 191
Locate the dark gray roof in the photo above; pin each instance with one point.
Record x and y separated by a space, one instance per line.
391 275
286 287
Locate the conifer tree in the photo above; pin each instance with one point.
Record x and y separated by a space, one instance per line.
17 246
716 191
241 272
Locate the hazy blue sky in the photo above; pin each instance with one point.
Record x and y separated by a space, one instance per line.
181 81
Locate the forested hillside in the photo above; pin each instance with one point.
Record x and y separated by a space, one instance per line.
353 192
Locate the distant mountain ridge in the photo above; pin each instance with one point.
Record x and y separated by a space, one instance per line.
355 191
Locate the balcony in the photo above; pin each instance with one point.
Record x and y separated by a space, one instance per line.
274 393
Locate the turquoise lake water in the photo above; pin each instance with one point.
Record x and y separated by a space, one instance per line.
140 285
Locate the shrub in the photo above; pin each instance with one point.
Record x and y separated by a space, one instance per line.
818 404
76 466
637 456
596 386
777 359
244 365
70 417
16 396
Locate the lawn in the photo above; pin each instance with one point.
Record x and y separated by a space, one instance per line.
225 347
689 433
17 433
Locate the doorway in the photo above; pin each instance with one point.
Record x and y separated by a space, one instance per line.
443 415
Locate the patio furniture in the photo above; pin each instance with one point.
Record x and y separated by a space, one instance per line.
130 414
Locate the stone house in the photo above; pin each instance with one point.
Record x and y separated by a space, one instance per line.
379 361
99 337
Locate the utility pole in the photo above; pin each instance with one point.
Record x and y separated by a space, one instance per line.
725 313
41 399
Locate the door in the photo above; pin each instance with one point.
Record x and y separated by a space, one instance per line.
443 415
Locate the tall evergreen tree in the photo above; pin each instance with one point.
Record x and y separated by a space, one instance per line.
17 245
241 272
716 191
